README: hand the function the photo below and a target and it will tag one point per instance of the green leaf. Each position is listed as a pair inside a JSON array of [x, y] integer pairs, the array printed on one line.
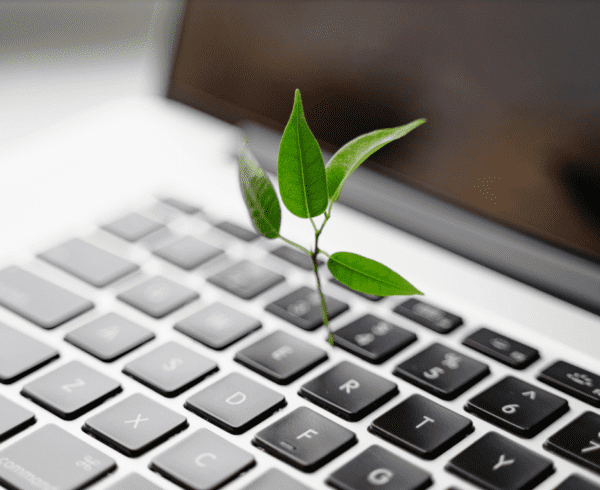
[[300, 167], [260, 197], [368, 276], [347, 159]]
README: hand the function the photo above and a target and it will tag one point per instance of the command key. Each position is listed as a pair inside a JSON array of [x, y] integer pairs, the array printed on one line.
[[33, 463]]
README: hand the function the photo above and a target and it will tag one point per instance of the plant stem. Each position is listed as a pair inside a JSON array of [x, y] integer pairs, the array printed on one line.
[[315, 268], [295, 245], [313, 257], [324, 313]]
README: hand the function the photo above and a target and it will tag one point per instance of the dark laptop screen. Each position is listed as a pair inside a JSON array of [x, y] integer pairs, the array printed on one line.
[[511, 91]]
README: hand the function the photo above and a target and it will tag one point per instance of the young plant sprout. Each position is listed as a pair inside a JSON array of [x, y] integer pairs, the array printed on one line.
[[307, 188]]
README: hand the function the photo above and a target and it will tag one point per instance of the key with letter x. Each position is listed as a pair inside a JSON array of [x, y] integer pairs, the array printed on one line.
[[135, 425], [494, 462]]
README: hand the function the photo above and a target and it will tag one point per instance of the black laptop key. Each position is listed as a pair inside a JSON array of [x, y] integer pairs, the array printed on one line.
[[370, 297], [170, 369], [20, 354], [246, 279], [187, 252], [573, 381], [441, 371], [135, 425], [281, 357], [579, 441], [109, 337], [518, 407], [71, 390], [348, 391], [235, 403], [158, 296], [305, 439], [14, 418], [422, 427], [37, 300], [501, 348], [202, 461], [133, 227], [429, 316], [49, 459], [218, 326], [303, 308], [494, 462], [237, 231], [373, 339], [88, 262], [296, 257], [275, 479], [576, 482], [377, 467]]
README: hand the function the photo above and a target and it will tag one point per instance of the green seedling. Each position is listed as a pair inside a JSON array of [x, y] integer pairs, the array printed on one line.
[[308, 189]]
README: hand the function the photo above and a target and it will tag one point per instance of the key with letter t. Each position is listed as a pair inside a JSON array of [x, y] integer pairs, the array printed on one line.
[[422, 427]]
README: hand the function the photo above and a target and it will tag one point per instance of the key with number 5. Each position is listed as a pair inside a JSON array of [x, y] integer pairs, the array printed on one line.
[[441, 371]]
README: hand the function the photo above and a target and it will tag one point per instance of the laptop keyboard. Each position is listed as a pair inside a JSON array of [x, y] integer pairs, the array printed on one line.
[[138, 398]]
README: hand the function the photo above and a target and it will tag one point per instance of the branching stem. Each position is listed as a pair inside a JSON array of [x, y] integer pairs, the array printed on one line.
[[313, 257]]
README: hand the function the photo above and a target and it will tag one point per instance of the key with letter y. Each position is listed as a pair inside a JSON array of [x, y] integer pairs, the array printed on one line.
[[494, 462]]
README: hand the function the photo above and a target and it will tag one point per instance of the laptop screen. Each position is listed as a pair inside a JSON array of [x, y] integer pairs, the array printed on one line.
[[511, 92]]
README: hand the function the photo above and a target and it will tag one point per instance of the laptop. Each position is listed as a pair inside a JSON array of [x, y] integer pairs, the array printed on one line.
[[150, 338]]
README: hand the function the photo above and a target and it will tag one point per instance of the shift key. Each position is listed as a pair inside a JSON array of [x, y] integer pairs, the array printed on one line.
[[38, 300]]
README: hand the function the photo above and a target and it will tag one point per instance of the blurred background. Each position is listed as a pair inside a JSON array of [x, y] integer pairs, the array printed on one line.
[[511, 90], [59, 58]]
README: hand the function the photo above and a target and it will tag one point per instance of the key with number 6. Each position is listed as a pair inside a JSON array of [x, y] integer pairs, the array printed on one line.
[[518, 407]]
